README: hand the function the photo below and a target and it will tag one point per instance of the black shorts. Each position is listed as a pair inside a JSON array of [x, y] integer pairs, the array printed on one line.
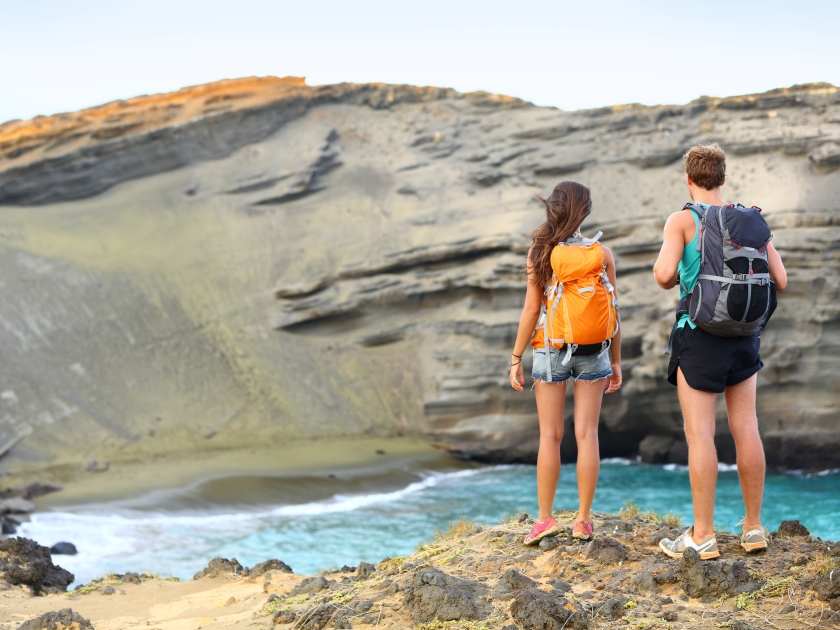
[[711, 363]]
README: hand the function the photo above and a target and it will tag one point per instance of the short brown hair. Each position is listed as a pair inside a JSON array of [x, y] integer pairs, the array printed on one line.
[[706, 165]]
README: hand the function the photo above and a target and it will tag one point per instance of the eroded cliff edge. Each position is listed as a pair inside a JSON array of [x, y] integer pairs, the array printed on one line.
[[258, 260]]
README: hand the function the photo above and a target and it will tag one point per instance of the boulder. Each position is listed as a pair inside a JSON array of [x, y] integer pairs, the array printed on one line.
[[269, 565], [16, 505], [316, 618], [365, 570], [132, 578], [710, 580], [612, 609], [793, 528], [828, 586], [537, 610], [63, 549], [284, 616], [23, 561], [511, 582], [220, 566], [310, 586], [435, 595], [607, 550], [64, 619], [645, 582], [654, 449]]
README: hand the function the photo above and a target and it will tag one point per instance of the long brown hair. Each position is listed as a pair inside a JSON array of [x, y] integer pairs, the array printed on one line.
[[565, 209]]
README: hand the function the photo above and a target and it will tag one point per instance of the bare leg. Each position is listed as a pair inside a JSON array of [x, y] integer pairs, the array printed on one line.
[[588, 396], [743, 423], [698, 409], [550, 400]]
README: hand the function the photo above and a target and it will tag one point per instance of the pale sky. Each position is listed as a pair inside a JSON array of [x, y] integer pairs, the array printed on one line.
[[63, 55]]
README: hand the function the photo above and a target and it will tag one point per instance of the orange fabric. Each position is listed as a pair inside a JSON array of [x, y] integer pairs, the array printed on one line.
[[584, 313]]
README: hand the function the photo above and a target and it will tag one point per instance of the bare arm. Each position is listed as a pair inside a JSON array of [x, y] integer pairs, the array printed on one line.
[[777, 268], [527, 323], [614, 381], [665, 268]]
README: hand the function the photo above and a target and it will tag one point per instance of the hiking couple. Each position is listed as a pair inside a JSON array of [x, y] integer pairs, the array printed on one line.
[[728, 272]]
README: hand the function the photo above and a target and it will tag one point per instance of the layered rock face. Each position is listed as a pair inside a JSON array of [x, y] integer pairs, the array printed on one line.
[[259, 260]]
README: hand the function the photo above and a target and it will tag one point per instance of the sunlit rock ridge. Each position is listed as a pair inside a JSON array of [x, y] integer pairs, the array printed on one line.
[[258, 260]]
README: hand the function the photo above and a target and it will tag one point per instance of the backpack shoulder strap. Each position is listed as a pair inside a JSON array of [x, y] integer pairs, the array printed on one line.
[[582, 241], [696, 207]]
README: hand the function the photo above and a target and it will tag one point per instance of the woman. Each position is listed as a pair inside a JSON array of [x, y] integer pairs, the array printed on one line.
[[572, 280]]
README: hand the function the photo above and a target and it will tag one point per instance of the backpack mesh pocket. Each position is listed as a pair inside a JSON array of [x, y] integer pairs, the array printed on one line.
[[745, 298]]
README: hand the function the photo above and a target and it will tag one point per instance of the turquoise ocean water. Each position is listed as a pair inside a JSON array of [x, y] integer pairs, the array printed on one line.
[[165, 538]]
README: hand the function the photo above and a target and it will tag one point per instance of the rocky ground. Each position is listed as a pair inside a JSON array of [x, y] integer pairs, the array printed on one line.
[[475, 578]]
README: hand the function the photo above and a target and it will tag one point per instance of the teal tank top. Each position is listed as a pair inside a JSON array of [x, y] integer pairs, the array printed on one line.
[[689, 269]]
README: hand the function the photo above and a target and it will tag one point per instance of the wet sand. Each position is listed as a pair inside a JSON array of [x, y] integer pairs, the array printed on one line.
[[244, 476]]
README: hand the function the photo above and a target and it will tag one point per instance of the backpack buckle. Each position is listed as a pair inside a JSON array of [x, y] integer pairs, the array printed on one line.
[[740, 276]]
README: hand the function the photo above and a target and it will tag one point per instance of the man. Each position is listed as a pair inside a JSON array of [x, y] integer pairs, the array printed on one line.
[[704, 365]]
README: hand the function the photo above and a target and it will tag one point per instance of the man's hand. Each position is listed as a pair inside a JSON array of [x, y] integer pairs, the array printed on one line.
[[614, 380]]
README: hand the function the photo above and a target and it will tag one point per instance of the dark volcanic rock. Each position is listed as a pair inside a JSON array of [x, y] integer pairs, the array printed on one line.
[[284, 616], [57, 620], [63, 549], [654, 449], [310, 586], [269, 565], [219, 566], [366, 569], [549, 542], [711, 579], [537, 610], [559, 586], [607, 550], [612, 609], [23, 561], [16, 505], [132, 578], [828, 586], [793, 528], [645, 581], [436, 595], [317, 617], [511, 582]]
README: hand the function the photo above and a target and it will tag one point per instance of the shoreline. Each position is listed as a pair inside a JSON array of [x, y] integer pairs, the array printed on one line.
[[351, 457]]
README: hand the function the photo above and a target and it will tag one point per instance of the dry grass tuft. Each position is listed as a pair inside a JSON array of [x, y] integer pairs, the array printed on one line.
[[457, 529], [820, 566], [630, 510]]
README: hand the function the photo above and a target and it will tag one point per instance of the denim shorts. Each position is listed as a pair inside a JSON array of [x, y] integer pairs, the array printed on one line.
[[593, 367]]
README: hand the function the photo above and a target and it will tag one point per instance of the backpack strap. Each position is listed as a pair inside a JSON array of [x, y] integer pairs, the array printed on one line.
[[698, 208], [739, 278], [700, 211], [554, 292], [582, 241]]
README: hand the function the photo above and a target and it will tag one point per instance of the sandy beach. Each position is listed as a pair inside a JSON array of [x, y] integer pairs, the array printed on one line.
[[352, 457]]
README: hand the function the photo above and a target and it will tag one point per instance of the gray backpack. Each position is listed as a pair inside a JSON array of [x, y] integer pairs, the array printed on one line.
[[734, 296]]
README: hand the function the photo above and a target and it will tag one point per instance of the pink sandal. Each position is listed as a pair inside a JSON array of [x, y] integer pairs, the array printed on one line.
[[542, 529]]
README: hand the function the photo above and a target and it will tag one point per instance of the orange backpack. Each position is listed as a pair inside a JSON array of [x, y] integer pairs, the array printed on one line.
[[580, 306]]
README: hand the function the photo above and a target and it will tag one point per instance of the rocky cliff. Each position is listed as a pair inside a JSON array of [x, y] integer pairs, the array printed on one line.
[[258, 260]]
